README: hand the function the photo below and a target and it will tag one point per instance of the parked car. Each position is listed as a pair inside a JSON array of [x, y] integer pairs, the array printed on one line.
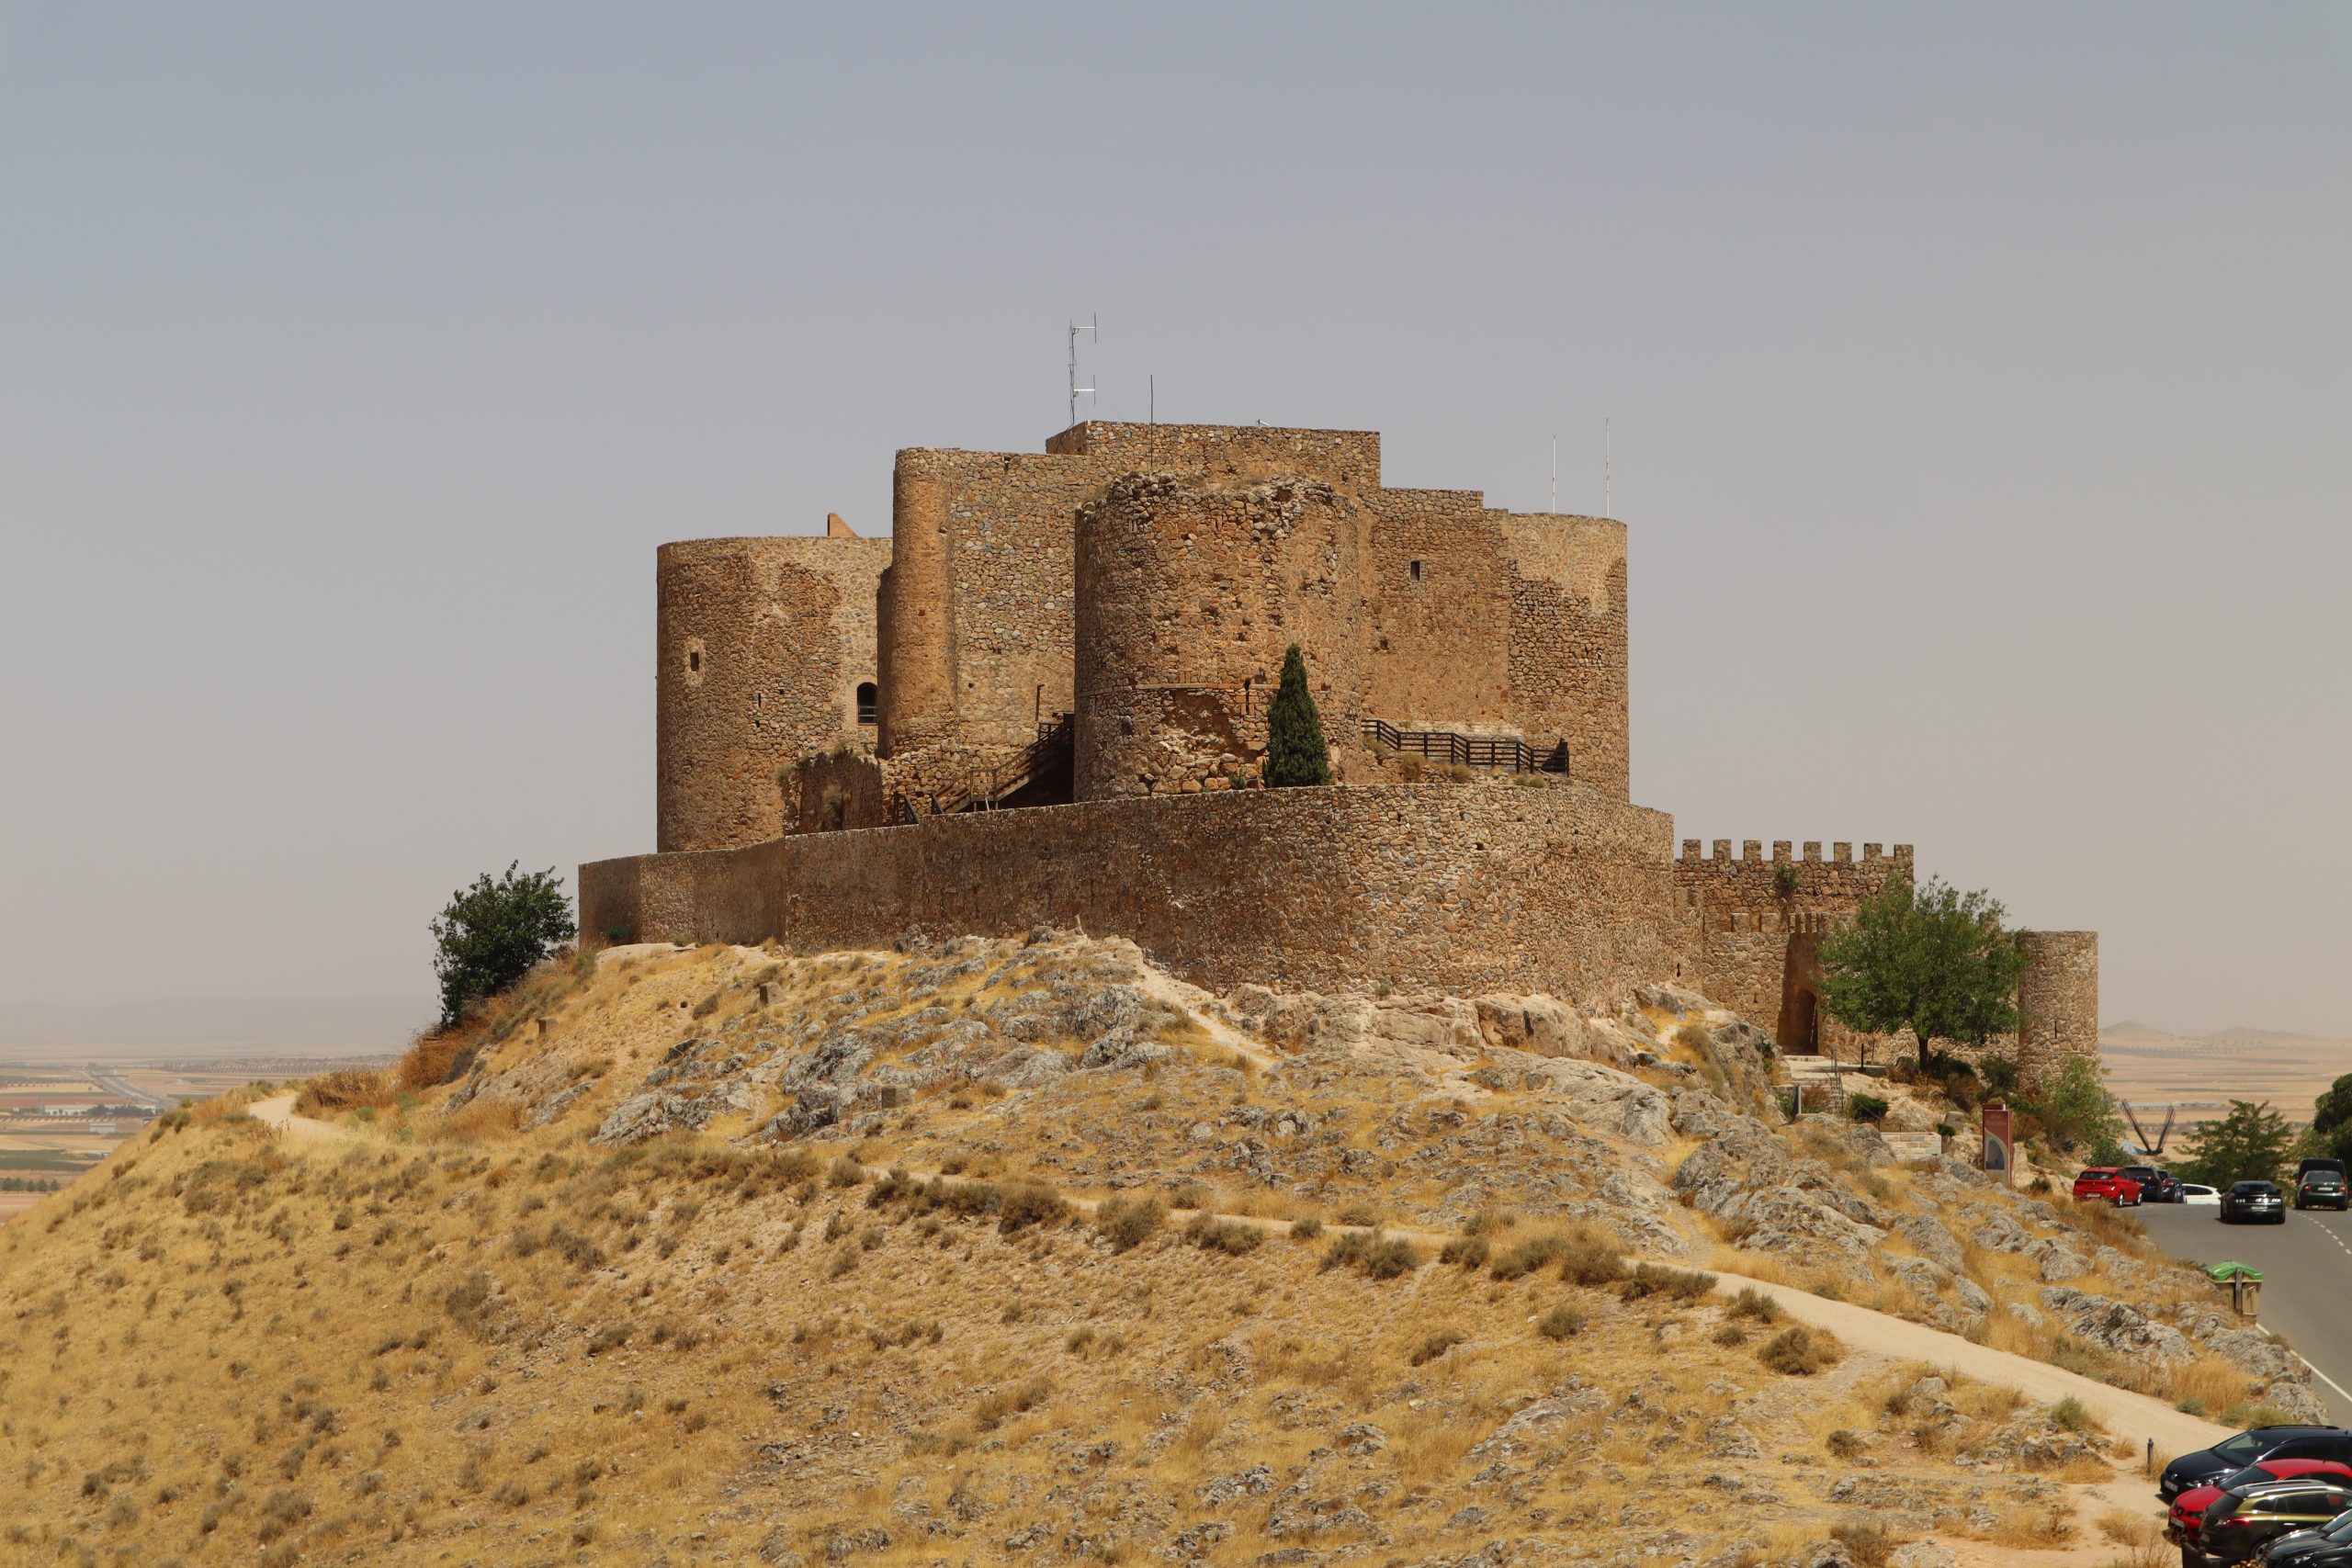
[[2321, 1190], [2202, 1467], [2107, 1181], [2156, 1184], [2323, 1548], [2259, 1200], [2238, 1524], [2186, 1517], [2198, 1194], [2305, 1168]]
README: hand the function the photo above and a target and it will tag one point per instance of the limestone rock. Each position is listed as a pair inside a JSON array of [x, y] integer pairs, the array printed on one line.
[[1920, 1555], [1604, 1098], [2115, 1325], [1934, 1242]]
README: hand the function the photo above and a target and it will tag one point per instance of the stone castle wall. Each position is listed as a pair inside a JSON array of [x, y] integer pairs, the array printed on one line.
[[1567, 641], [1188, 593], [1760, 919], [760, 645], [1466, 889]]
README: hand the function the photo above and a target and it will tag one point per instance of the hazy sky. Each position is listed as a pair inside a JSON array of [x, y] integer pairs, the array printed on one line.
[[1979, 378]]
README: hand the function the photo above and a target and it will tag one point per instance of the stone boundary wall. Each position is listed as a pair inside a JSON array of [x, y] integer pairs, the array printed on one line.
[[1463, 889]]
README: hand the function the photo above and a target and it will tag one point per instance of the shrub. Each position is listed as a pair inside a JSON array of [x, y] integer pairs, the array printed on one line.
[[490, 935], [1676, 1284], [346, 1090], [1125, 1224], [1731, 1336], [1436, 1344], [1753, 1302], [1534, 1253], [1798, 1351], [2250, 1413], [1360, 1214], [999, 1403], [1564, 1321], [1232, 1238], [2073, 1415], [1866, 1108], [1591, 1260], [1376, 1255], [1843, 1444], [1027, 1203], [1867, 1544], [1306, 1229], [1464, 1251]]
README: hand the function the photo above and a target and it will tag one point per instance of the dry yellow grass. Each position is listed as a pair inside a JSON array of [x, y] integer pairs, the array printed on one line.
[[452, 1336]]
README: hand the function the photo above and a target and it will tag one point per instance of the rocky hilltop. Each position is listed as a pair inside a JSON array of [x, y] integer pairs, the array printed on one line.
[[1022, 1251]]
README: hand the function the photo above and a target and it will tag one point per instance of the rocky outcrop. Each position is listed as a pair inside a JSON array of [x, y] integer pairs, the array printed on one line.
[[2117, 1325]]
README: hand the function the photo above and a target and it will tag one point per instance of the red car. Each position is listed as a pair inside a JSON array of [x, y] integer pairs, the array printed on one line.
[[2106, 1181], [2188, 1512]]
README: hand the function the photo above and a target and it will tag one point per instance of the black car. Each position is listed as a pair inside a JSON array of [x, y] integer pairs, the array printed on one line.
[[2157, 1185], [2239, 1523], [2321, 1548], [2208, 1467], [2322, 1188], [2259, 1200]]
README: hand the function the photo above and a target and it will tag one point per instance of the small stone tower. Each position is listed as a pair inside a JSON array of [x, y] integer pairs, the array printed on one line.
[[766, 654], [2057, 1001]]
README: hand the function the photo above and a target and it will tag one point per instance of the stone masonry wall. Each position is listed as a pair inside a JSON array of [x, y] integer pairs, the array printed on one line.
[[1760, 919], [1567, 641], [1189, 592], [1437, 608], [2057, 1001], [761, 644], [1466, 889]]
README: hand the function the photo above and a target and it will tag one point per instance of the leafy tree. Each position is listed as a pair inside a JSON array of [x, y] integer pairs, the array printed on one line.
[[491, 933], [2248, 1144], [2076, 1111], [1295, 753], [1932, 960], [2330, 1134]]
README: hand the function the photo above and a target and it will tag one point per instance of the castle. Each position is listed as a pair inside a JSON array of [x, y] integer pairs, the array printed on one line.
[[1043, 700]]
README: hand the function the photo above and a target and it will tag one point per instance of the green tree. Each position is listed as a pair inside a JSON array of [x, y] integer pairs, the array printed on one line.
[[2078, 1112], [1931, 959], [2248, 1144], [491, 933], [2330, 1134], [1295, 753]]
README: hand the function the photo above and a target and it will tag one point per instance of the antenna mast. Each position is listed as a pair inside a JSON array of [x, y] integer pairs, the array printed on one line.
[[1608, 505], [1555, 473], [1096, 327]]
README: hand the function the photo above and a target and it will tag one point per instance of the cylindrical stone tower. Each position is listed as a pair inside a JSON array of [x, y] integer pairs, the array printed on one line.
[[918, 681], [762, 644], [2057, 1001], [1187, 596]]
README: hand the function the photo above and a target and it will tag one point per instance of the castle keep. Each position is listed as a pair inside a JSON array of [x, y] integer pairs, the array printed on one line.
[[1043, 699]]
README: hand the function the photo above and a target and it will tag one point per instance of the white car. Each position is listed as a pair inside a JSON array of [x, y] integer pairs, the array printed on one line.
[[2206, 1196]]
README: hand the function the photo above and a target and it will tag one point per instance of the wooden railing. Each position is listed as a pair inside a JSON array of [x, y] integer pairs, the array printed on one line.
[[1016, 772], [1470, 751]]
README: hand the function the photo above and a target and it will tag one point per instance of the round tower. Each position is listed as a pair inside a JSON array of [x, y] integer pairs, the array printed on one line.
[[763, 646], [2057, 1001], [1187, 595]]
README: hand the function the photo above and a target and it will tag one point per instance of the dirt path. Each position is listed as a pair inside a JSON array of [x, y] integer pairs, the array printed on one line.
[[2125, 1414], [277, 1111]]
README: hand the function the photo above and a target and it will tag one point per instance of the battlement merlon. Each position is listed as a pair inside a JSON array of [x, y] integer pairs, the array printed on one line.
[[1719, 860]]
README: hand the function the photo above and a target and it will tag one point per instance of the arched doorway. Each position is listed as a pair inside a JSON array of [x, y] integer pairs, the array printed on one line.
[[869, 702], [1800, 1030]]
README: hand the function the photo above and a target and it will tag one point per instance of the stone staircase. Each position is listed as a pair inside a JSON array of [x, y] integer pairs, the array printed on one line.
[[1817, 1080]]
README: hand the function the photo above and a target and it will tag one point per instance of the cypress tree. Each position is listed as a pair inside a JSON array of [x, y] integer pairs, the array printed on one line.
[[1295, 753]]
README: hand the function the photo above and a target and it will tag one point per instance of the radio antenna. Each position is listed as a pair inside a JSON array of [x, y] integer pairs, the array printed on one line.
[[1096, 327], [1607, 504], [1555, 473]]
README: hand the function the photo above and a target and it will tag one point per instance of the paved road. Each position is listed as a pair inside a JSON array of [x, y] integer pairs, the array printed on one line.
[[2306, 1280]]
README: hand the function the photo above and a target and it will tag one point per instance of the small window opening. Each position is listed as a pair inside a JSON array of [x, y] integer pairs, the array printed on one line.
[[694, 660], [1417, 571], [868, 700]]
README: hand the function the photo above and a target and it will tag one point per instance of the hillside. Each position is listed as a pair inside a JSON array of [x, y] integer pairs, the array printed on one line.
[[1023, 1251]]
